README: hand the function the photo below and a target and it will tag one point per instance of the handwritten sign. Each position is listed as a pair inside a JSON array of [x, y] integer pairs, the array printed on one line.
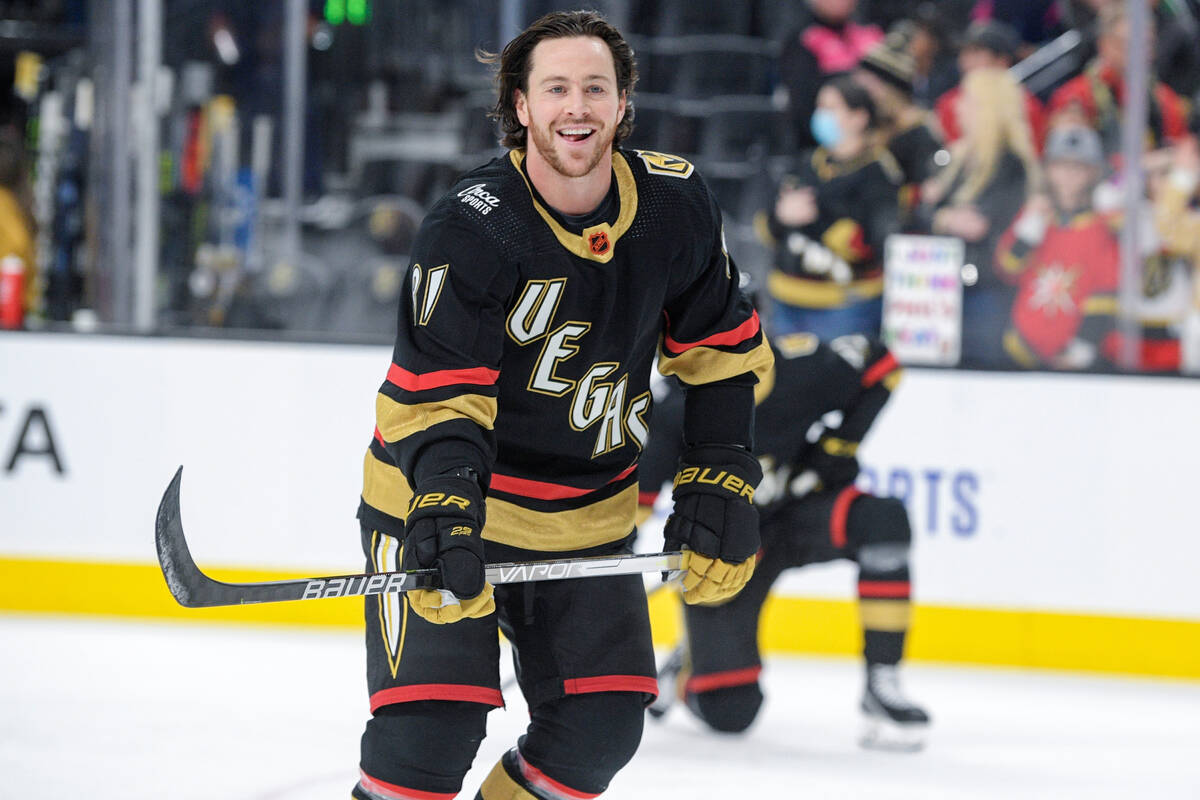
[[922, 299]]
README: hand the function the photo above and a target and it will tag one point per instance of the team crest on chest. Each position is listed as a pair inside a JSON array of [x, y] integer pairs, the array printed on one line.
[[598, 243]]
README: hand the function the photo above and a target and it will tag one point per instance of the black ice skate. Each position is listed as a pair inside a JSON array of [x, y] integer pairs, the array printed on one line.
[[671, 679], [891, 720]]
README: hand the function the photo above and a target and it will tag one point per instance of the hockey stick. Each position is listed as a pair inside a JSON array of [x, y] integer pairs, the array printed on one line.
[[193, 589]]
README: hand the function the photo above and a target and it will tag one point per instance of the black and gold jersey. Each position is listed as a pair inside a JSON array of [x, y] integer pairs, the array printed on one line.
[[526, 340]]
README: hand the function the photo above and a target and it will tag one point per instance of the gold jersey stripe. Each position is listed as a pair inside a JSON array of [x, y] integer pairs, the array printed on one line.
[[1015, 346], [499, 786], [766, 383], [576, 243], [599, 523], [706, 365], [384, 487], [821, 294], [399, 420], [885, 615]]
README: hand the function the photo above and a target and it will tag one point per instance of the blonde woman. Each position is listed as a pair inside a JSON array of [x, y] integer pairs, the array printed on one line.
[[993, 169]]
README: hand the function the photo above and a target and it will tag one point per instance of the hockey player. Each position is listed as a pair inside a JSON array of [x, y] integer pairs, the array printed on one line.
[[811, 512], [541, 289]]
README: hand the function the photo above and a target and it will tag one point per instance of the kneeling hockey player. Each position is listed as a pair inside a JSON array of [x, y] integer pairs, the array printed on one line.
[[810, 512]]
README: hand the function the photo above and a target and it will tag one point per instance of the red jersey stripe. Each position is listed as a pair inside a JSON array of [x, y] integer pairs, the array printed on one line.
[[698, 684], [542, 490], [876, 372], [412, 382], [741, 333], [437, 691], [896, 589], [543, 781], [839, 515], [392, 791], [611, 683]]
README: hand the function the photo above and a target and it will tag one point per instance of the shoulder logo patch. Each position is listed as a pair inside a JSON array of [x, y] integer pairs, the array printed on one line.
[[479, 198], [664, 164]]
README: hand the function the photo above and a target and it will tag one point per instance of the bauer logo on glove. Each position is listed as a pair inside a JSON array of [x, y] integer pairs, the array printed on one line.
[[442, 532], [715, 522], [431, 499], [721, 478]]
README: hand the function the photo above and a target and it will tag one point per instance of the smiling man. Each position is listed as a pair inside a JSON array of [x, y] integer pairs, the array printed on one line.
[[543, 287]]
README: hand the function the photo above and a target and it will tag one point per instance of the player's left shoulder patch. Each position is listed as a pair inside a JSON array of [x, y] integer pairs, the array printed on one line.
[[665, 164]]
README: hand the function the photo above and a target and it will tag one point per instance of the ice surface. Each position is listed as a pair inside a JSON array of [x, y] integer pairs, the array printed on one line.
[[121, 710]]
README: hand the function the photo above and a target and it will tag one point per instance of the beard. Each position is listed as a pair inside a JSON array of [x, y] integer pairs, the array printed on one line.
[[546, 141]]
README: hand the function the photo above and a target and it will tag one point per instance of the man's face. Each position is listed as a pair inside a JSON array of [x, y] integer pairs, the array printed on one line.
[[573, 107]]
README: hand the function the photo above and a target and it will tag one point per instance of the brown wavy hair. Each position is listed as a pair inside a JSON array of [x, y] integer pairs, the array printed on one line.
[[512, 67]]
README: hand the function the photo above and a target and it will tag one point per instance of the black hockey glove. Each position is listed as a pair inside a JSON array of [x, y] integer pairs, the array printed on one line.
[[834, 460], [715, 521], [444, 530]]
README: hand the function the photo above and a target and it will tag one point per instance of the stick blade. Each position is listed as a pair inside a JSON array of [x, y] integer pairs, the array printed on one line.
[[176, 561]]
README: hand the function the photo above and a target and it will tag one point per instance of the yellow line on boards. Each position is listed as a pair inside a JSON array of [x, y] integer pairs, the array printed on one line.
[[1009, 637], [1041, 639], [139, 590]]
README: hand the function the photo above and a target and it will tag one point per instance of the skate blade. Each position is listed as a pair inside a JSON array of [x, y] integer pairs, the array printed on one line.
[[883, 734]]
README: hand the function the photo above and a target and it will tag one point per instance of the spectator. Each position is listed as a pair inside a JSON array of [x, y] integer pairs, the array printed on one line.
[[908, 131], [1170, 240], [1096, 97], [1064, 258], [992, 170], [1176, 57], [1177, 219], [830, 221], [828, 42], [988, 45], [929, 45], [17, 226]]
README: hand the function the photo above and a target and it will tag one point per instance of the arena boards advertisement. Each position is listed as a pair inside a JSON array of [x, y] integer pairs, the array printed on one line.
[[1052, 514]]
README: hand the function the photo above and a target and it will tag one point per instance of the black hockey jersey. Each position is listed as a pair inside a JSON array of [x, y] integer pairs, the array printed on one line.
[[851, 375], [837, 259], [526, 340]]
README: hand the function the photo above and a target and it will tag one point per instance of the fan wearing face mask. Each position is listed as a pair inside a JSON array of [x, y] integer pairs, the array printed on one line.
[[832, 213]]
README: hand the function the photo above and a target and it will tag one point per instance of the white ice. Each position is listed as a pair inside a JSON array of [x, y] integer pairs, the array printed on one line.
[[123, 710]]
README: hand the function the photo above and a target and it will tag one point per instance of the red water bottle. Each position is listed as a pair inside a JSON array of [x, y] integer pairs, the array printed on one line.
[[12, 292]]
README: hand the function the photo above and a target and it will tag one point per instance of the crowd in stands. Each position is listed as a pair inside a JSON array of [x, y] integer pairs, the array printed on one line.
[[822, 126], [893, 135]]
